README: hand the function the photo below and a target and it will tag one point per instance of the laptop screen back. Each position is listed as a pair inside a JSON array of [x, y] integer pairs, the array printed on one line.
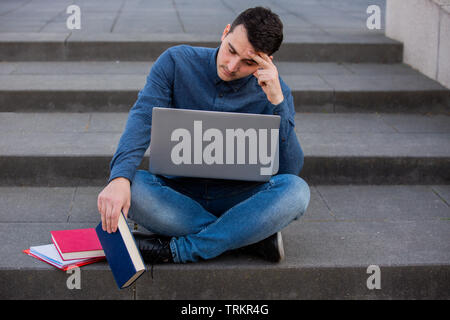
[[213, 144]]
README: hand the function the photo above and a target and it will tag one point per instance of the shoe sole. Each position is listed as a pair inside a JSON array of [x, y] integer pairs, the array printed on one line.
[[280, 246]]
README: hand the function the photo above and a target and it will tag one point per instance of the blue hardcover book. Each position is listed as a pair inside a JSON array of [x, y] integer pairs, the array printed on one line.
[[122, 254]]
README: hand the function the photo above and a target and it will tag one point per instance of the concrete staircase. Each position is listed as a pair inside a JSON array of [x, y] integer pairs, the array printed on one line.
[[376, 137]]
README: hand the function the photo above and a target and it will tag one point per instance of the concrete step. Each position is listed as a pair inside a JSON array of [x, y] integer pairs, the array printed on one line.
[[71, 149], [316, 87], [326, 46], [404, 230]]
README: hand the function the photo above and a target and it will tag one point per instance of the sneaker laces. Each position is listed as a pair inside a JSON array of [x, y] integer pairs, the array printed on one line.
[[153, 254]]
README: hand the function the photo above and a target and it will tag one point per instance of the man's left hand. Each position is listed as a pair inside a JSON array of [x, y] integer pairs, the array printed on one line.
[[267, 75]]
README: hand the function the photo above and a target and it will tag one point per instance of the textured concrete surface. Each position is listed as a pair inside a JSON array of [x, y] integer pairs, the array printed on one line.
[[424, 28], [197, 17], [146, 47], [60, 149], [316, 87], [139, 30], [402, 229]]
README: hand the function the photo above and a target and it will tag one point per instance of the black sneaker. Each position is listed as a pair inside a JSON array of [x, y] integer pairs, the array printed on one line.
[[271, 248], [154, 248]]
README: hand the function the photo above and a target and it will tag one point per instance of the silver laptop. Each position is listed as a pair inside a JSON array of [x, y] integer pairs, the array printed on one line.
[[213, 144]]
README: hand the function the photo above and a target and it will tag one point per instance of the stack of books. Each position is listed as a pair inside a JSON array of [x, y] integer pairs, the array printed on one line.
[[70, 248]]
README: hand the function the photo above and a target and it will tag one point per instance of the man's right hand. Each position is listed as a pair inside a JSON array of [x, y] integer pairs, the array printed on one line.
[[116, 197]]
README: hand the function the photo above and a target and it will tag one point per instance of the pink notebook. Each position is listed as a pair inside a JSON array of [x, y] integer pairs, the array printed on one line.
[[77, 244]]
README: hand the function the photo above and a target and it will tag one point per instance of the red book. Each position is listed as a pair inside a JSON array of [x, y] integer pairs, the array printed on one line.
[[77, 244]]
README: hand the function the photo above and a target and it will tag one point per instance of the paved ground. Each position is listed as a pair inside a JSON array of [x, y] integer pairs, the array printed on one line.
[[70, 149], [371, 135], [113, 86], [178, 16], [346, 229]]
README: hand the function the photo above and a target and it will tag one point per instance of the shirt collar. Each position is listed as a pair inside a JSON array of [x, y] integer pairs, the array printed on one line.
[[213, 66], [235, 84]]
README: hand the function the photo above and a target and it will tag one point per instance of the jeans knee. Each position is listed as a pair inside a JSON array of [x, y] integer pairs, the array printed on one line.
[[140, 190], [298, 193]]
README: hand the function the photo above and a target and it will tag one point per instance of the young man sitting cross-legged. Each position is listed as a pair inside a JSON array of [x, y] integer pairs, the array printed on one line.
[[193, 218]]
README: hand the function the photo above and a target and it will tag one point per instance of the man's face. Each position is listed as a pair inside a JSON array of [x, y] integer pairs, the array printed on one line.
[[233, 60]]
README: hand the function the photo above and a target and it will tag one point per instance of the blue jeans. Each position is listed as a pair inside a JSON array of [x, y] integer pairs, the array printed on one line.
[[207, 217]]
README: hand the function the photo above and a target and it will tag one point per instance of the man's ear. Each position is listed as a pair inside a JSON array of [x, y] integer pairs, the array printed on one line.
[[225, 31]]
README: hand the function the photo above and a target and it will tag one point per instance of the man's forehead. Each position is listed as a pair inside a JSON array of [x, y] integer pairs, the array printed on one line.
[[243, 53]]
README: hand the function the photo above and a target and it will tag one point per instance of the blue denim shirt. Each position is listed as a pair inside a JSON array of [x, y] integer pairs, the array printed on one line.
[[186, 77]]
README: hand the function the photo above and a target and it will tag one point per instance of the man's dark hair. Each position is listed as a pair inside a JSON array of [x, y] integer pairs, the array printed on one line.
[[264, 28]]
